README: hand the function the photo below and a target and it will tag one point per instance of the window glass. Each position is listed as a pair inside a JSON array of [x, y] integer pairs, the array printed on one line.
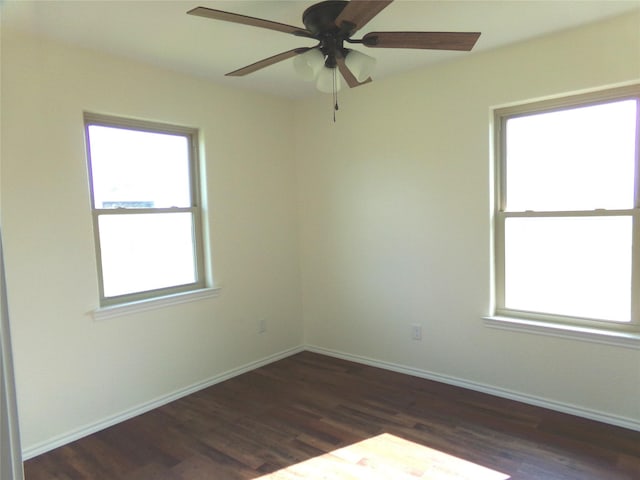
[[142, 252], [573, 266], [138, 169], [574, 159]]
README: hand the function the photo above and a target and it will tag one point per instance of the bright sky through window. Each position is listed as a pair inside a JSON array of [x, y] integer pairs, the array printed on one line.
[[136, 166], [551, 267], [577, 159]]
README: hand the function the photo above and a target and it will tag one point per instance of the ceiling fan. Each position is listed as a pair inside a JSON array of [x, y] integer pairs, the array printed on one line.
[[333, 23]]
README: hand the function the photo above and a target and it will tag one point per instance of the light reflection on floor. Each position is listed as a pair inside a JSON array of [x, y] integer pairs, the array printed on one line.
[[386, 457]]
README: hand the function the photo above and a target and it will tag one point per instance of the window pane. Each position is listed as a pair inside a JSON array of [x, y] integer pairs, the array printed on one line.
[[143, 252], [577, 159], [575, 266], [136, 169]]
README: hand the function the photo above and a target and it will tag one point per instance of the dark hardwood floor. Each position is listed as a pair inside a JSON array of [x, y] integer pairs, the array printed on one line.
[[308, 404]]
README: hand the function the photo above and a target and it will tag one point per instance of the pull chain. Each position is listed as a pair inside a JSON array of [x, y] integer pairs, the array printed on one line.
[[335, 93]]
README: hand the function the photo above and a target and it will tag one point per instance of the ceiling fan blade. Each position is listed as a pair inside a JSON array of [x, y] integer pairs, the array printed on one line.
[[463, 41], [251, 21], [360, 12], [266, 62], [348, 76]]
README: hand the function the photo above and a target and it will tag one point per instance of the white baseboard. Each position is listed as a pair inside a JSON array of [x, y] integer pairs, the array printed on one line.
[[63, 439], [491, 390]]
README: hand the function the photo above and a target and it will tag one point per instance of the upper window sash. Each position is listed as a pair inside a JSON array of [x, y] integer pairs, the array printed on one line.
[[191, 135], [504, 115]]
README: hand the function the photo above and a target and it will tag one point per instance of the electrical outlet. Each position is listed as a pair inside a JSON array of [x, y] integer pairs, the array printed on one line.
[[262, 325], [416, 332]]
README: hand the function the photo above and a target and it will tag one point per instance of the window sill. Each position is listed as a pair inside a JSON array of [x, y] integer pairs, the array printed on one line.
[[572, 332], [104, 313]]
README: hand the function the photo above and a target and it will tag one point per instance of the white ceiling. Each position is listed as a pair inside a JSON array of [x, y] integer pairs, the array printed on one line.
[[159, 31]]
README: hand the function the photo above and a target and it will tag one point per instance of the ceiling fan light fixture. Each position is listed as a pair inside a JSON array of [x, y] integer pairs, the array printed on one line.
[[361, 65], [308, 64], [326, 78]]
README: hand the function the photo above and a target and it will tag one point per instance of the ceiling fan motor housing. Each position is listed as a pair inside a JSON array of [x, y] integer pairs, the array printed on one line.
[[320, 19]]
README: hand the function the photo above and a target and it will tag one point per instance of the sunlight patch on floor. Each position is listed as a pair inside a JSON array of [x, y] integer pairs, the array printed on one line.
[[386, 457]]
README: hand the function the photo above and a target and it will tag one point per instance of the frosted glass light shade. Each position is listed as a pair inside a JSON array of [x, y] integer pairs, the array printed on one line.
[[361, 65], [325, 80], [308, 64]]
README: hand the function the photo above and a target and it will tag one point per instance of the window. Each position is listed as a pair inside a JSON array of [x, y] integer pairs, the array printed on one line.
[[567, 222], [146, 208]]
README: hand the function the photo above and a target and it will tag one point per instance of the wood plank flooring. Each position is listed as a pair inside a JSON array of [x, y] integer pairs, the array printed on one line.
[[308, 405]]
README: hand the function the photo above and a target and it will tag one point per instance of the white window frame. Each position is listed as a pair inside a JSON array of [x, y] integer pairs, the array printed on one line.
[[195, 209], [535, 322]]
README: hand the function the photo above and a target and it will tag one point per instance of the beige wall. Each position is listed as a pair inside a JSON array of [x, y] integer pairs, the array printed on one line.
[[73, 371], [390, 206], [395, 221]]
